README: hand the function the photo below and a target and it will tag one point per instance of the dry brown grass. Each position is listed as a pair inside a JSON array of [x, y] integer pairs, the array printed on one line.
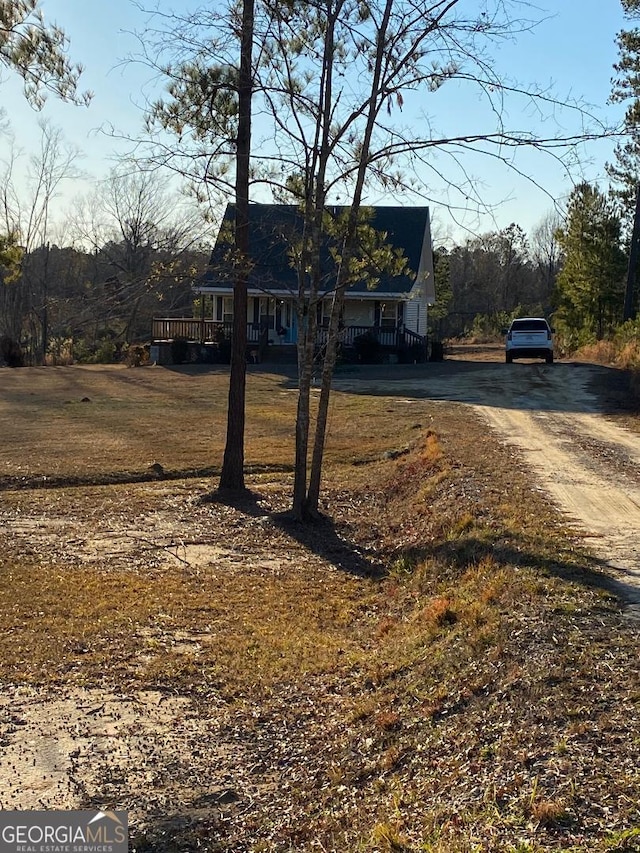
[[601, 352], [63, 625], [625, 356], [95, 420], [436, 669]]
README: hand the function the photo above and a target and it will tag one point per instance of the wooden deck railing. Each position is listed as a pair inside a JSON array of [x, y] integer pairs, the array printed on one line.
[[211, 331], [388, 338], [197, 331]]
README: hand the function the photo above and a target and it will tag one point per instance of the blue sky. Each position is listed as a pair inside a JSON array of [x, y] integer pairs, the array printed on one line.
[[572, 50]]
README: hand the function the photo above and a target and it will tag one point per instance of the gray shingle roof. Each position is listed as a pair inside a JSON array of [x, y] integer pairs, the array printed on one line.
[[271, 228]]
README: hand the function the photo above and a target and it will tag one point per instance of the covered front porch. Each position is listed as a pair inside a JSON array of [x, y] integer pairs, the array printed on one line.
[[209, 340], [373, 330]]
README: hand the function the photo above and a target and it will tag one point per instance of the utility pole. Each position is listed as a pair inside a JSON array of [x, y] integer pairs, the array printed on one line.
[[629, 296]]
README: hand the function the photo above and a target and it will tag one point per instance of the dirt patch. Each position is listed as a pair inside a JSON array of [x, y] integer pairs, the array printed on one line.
[[62, 751]]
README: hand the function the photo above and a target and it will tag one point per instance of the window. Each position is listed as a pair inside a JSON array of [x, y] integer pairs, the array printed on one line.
[[388, 315], [530, 325], [323, 313]]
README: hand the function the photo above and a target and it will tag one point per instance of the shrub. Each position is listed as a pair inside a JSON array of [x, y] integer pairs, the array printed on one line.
[[568, 340], [179, 350], [602, 352], [368, 348], [487, 328], [81, 352], [136, 355], [224, 350], [10, 352], [60, 352], [627, 343], [106, 352]]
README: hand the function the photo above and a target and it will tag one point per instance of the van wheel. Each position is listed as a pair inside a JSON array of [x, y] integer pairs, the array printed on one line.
[[508, 358], [549, 358]]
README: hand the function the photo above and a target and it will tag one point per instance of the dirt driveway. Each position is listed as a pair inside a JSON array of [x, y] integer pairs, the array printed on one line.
[[557, 417]]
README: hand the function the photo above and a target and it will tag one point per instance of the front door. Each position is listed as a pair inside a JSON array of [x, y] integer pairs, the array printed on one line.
[[285, 319]]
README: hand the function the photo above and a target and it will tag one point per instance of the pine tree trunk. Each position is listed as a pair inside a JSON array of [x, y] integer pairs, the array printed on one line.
[[632, 270], [232, 475], [328, 367]]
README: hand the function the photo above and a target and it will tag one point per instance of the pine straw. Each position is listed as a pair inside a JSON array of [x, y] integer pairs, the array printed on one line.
[[439, 669]]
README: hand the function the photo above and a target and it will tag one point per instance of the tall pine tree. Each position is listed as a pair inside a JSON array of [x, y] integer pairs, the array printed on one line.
[[625, 170], [37, 51], [590, 286]]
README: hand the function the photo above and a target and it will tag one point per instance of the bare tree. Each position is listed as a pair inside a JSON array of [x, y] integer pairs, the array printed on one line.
[[143, 237], [26, 215], [336, 81], [546, 251], [332, 79]]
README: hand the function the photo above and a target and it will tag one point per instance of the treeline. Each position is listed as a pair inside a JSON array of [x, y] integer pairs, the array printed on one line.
[[87, 290], [132, 251], [573, 270], [494, 276], [63, 304]]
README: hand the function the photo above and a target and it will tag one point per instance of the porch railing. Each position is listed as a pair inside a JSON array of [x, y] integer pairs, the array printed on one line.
[[389, 338], [198, 331], [212, 331]]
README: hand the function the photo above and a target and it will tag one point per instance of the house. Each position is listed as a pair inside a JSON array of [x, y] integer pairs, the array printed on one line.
[[393, 312]]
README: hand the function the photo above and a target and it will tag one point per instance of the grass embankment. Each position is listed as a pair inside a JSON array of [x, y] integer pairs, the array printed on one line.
[[435, 670], [623, 352]]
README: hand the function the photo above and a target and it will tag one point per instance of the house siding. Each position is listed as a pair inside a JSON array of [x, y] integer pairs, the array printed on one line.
[[415, 319], [425, 278]]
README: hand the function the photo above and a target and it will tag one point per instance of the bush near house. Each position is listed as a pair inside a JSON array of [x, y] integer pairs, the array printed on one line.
[[10, 352], [368, 348]]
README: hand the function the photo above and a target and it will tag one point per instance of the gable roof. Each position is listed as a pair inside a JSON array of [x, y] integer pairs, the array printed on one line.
[[271, 227]]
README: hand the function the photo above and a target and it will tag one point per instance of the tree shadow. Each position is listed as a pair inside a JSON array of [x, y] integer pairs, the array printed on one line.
[[246, 501], [593, 572], [319, 536], [571, 386], [322, 538]]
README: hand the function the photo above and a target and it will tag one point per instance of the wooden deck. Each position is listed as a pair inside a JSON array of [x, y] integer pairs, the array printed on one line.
[[201, 331]]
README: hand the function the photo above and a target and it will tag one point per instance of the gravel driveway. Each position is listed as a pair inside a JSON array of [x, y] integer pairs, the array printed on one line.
[[556, 416]]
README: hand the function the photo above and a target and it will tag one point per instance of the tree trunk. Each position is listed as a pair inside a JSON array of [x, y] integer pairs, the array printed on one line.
[[307, 313], [313, 495], [629, 296], [328, 367], [232, 475], [303, 415], [307, 329]]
